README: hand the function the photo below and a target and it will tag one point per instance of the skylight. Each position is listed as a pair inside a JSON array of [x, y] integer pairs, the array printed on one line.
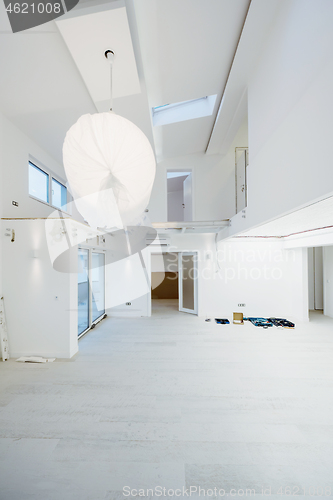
[[185, 110]]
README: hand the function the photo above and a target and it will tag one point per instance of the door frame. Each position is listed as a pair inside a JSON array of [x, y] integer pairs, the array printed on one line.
[[149, 270], [185, 169], [97, 320]]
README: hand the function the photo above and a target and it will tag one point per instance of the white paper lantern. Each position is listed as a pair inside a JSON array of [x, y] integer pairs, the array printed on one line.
[[110, 167]]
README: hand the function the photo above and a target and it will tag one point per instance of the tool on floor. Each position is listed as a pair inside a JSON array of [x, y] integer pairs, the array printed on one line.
[[3, 332]]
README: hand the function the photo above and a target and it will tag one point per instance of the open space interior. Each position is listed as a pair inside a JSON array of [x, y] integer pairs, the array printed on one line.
[[166, 250]]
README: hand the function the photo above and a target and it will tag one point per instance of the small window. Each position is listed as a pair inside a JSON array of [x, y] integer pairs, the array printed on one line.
[[59, 194], [38, 183], [44, 187], [185, 110]]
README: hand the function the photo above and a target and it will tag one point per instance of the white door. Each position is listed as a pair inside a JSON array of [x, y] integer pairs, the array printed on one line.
[[187, 190], [241, 188], [188, 282]]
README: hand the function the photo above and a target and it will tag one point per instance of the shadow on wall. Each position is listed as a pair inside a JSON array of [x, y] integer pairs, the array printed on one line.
[[168, 289]]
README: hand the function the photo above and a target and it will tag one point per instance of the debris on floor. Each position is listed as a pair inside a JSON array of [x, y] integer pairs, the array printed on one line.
[[35, 359], [221, 321], [267, 322], [238, 318], [282, 322]]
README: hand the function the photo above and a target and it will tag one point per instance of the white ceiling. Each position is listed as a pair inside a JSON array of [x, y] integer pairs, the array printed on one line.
[[187, 50], [166, 51], [87, 37]]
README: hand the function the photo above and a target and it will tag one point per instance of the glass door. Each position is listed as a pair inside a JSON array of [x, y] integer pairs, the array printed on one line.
[[83, 291], [97, 285], [188, 282], [91, 288]]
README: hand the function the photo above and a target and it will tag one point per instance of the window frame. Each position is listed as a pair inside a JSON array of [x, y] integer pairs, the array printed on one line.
[[92, 322], [51, 176], [51, 190], [47, 202]]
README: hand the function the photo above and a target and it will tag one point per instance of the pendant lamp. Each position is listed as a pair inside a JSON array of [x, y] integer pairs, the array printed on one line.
[[110, 167]]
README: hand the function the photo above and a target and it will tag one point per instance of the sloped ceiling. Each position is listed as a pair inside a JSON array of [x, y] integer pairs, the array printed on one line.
[[181, 50], [187, 49]]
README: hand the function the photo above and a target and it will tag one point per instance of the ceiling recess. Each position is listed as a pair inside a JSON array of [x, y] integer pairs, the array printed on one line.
[[87, 38]]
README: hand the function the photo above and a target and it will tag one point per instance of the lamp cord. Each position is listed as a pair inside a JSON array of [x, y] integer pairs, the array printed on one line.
[[111, 97], [109, 54]]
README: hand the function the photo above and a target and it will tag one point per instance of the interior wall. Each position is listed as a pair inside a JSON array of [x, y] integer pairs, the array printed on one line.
[[290, 114], [213, 183], [268, 279], [16, 148], [1, 193], [38, 324], [40, 316], [127, 285]]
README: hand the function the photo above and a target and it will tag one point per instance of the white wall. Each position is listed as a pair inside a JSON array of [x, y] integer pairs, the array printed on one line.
[[16, 148], [1, 193], [213, 183], [290, 113], [270, 280], [38, 323], [126, 282]]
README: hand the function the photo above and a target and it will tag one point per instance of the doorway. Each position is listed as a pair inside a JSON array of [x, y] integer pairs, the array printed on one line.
[[241, 163], [316, 279], [179, 196], [174, 280]]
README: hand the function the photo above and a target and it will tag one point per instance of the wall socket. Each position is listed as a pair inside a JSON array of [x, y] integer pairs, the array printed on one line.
[[241, 305]]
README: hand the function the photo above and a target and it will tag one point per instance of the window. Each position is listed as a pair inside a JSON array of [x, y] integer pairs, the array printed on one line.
[[59, 194], [38, 183], [43, 186], [185, 110]]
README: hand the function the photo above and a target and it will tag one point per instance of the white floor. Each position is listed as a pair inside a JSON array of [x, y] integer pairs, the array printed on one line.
[[172, 401]]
